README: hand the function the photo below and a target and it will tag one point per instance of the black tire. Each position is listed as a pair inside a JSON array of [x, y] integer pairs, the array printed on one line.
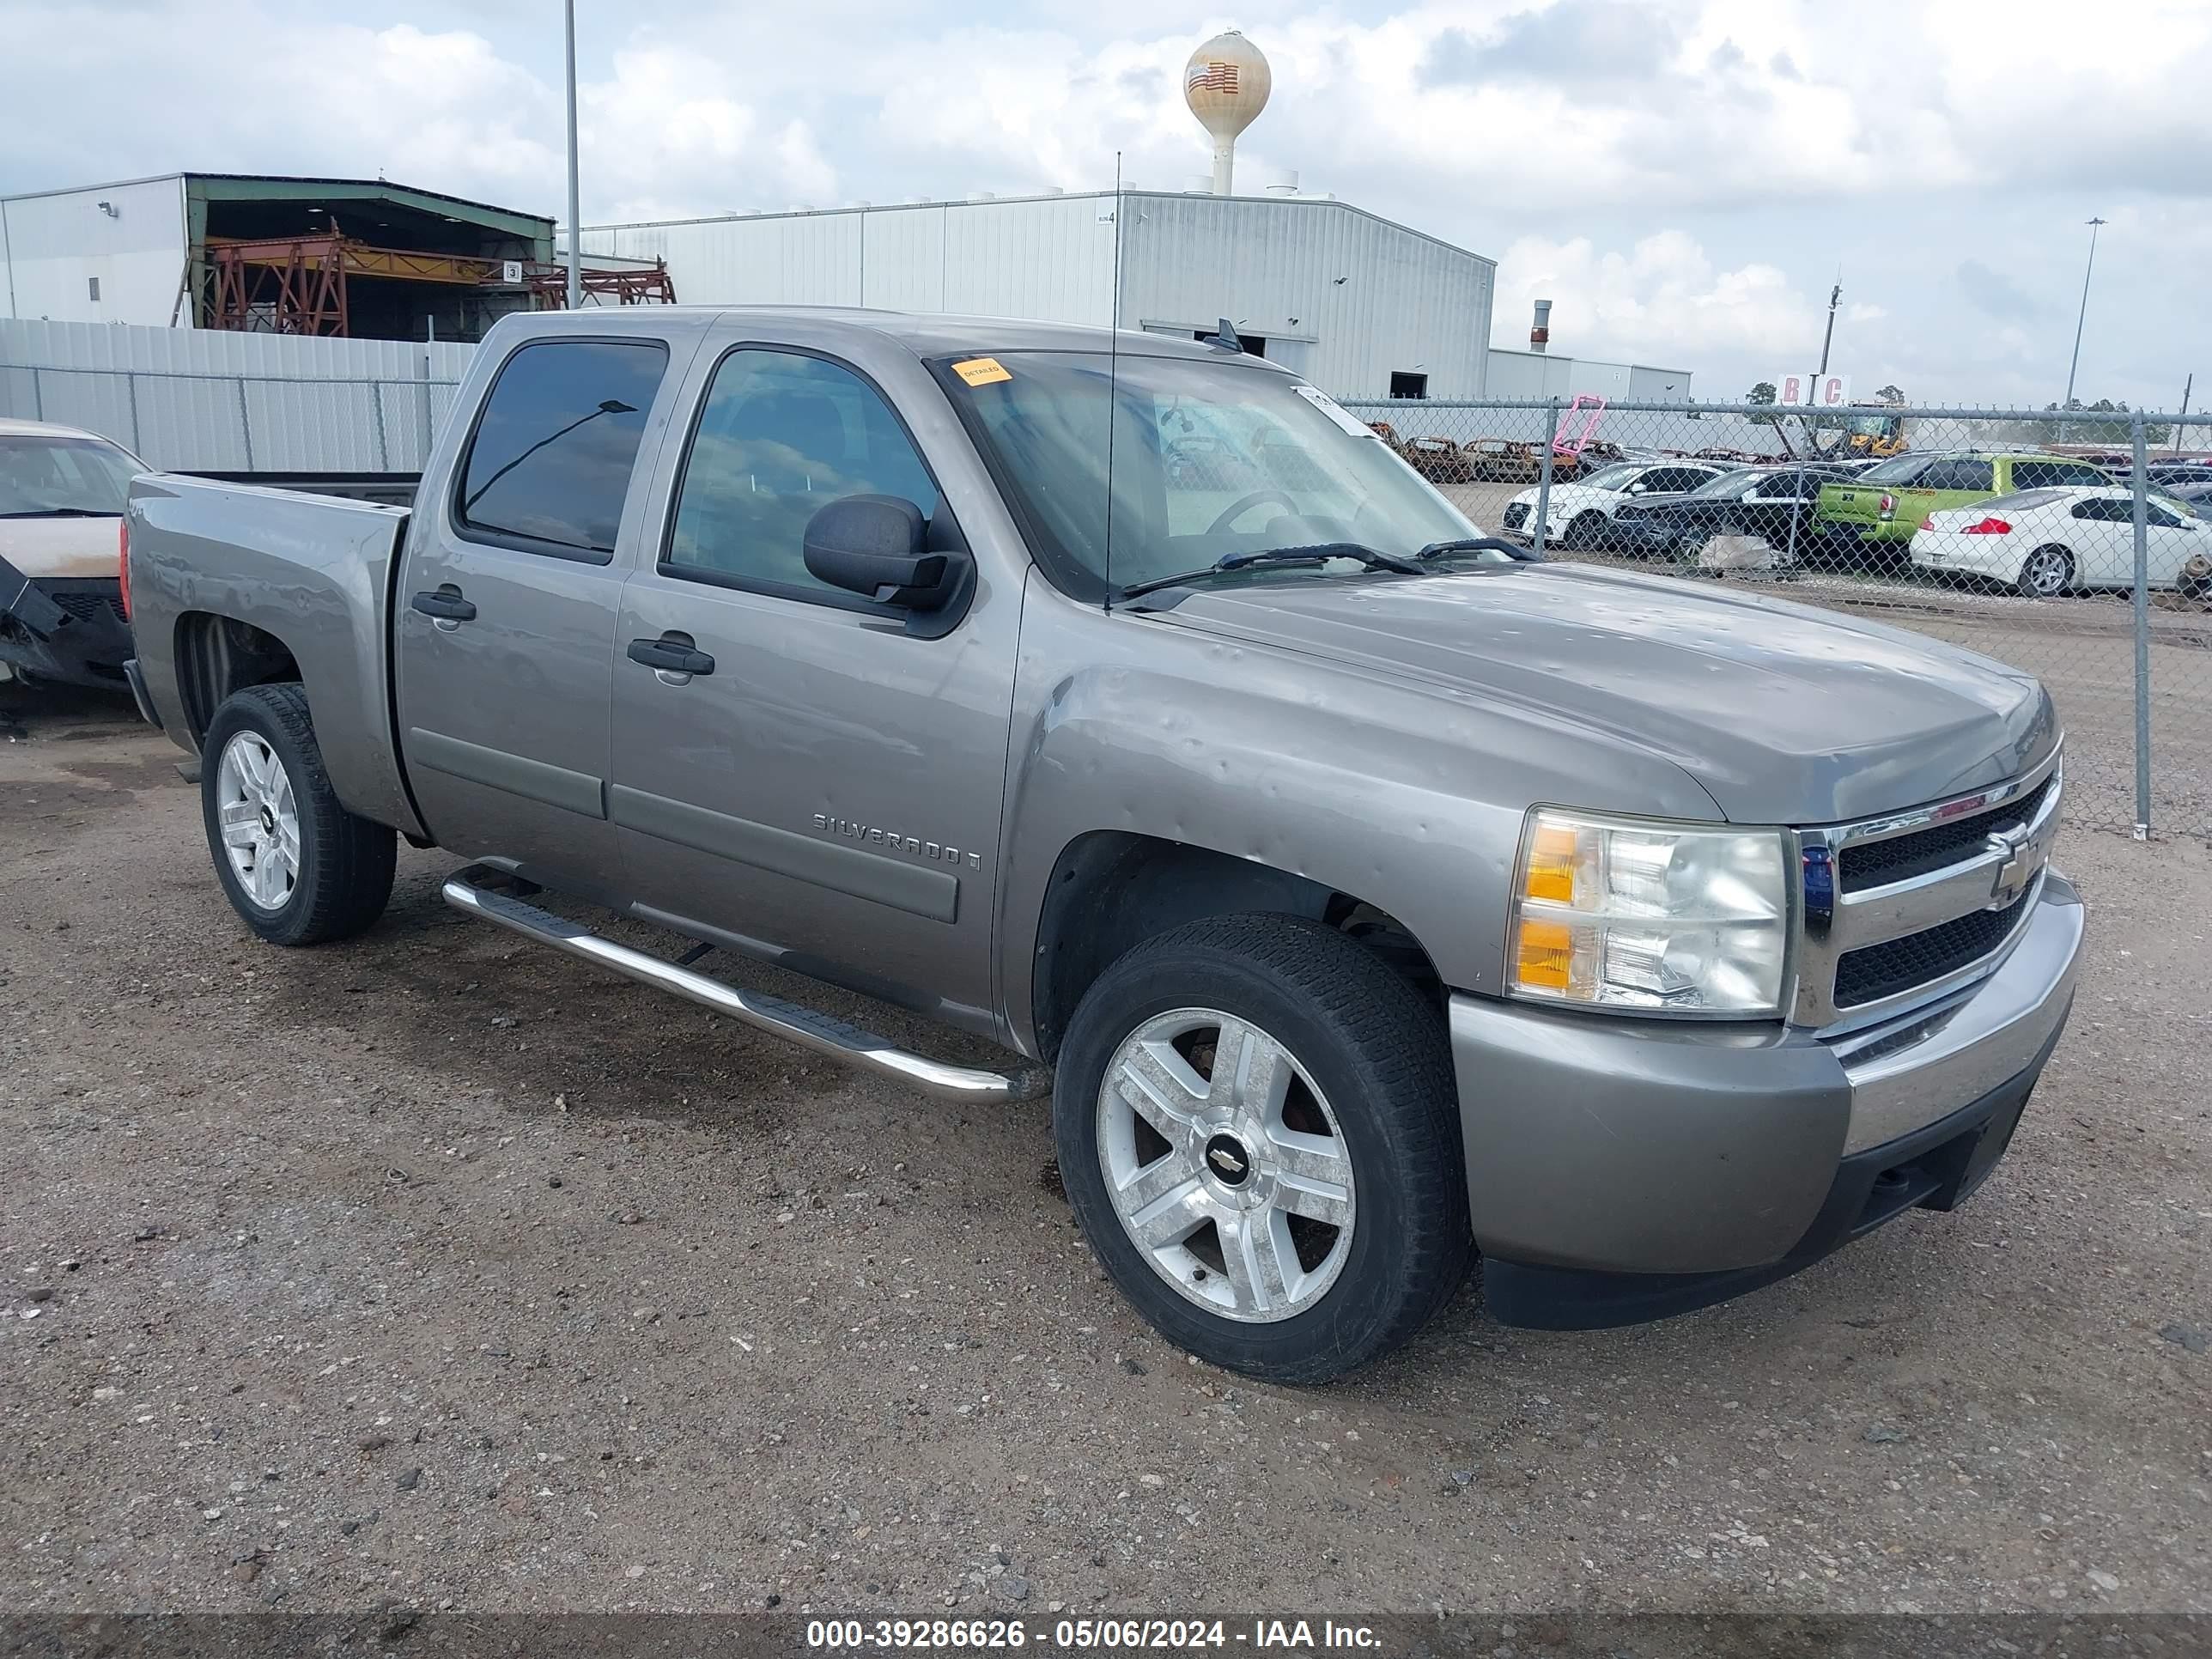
[[1375, 1049], [345, 863], [1690, 546], [1586, 533], [2047, 573]]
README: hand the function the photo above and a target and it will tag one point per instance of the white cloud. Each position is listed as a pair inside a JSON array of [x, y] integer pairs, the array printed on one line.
[[1663, 294], [1773, 135], [667, 136]]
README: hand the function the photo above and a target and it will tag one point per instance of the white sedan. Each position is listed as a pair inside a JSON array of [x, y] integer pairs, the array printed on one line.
[[2049, 542], [1582, 512]]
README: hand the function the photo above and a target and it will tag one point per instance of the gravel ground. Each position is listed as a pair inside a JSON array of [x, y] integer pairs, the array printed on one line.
[[430, 1267]]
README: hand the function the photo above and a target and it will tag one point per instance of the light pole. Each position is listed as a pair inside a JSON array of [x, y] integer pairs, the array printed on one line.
[[2084, 315], [575, 233]]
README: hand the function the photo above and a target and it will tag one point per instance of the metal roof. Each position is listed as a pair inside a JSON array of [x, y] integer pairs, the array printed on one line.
[[1132, 193], [248, 186]]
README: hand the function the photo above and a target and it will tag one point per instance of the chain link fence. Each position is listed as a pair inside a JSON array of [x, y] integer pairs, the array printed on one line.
[[2075, 545]]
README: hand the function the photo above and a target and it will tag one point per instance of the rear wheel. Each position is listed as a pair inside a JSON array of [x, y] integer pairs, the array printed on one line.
[[1258, 1131], [2047, 572], [294, 864]]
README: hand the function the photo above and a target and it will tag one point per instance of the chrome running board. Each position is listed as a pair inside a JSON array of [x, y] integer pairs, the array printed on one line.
[[485, 892]]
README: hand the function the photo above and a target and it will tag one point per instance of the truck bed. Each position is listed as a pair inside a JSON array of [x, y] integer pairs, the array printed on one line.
[[381, 489], [314, 572]]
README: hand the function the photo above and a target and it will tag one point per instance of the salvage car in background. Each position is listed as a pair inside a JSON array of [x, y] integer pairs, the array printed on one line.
[[1874, 515], [62, 496], [1772, 503], [2049, 542], [1583, 511]]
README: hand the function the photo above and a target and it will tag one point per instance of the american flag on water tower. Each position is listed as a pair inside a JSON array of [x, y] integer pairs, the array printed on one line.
[[1214, 76]]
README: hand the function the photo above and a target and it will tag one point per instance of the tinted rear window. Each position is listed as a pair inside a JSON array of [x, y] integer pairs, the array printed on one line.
[[1962, 472], [551, 462]]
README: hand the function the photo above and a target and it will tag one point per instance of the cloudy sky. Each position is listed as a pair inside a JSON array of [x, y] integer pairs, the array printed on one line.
[[1685, 177]]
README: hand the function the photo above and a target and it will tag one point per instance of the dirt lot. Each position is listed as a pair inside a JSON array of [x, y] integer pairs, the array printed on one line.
[[433, 1268]]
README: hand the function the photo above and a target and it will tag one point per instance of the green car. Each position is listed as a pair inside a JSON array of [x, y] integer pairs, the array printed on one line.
[[1880, 508]]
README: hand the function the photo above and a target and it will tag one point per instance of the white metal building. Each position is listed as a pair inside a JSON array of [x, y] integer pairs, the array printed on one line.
[[1350, 300], [1549, 374]]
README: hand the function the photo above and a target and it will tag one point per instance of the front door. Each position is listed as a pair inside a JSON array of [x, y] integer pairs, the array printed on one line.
[[504, 617], [825, 792]]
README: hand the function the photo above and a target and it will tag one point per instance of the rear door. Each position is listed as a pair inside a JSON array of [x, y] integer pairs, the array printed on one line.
[[504, 618], [826, 794], [1957, 481], [1779, 506]]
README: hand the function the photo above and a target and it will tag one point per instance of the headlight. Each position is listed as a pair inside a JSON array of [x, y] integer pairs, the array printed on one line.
[[1616, 913]]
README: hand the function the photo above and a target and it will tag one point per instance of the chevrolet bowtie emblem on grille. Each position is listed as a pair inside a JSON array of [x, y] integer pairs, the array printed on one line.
[[2022, 859]]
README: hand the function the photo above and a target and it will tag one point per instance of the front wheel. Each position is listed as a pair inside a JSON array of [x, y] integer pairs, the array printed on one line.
[[2048, 572], [1257, 1128], [294, 864], [1586, 533]]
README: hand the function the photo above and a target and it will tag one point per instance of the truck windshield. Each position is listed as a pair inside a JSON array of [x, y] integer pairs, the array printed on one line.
[[1209, 458], [54, 477]]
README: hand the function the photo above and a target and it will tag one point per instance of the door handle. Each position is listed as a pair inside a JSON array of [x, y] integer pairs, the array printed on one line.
[[671, 653], [446, 605]]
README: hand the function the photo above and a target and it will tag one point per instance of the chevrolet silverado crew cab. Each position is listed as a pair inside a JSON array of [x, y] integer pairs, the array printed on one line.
[[1366, 893]]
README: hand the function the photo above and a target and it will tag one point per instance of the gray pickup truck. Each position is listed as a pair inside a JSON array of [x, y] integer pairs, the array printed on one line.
[[1366, 893]]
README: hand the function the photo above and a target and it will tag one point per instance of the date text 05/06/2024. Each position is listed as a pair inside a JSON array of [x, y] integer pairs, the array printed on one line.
[[1106, 1634]]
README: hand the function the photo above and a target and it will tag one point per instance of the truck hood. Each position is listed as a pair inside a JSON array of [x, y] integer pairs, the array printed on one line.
[[53, 549], [1783, 713]]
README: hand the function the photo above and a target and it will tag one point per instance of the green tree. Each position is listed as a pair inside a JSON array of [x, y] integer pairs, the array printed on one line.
[[1764, 393]]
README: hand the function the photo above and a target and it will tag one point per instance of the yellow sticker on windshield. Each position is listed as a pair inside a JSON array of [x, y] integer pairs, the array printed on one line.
[[981, 371]]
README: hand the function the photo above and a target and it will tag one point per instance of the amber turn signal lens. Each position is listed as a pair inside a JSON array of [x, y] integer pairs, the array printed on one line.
[[1551, 864], [1543, 955]]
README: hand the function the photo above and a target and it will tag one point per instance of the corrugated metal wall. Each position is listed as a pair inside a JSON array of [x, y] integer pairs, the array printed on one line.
[[202, 399], [1049, 258], [1554, 374], [1343, 297], [128, 237]]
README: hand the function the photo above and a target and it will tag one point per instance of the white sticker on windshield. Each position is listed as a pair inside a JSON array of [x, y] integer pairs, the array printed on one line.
[[1336, 411]]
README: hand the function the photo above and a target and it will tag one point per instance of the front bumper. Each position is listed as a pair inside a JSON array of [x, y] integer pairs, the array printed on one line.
[[1621, 1169], [1645, 535], [67, 630]]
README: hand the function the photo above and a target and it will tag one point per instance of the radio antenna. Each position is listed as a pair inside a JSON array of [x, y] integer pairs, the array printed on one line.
[[1113, 384]]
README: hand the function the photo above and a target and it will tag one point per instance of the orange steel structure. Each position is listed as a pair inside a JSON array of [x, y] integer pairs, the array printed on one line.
[[297, 285]]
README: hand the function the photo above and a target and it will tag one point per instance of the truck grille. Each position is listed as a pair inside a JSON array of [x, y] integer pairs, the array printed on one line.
[[1916, 901], [1873, 863], [1901, 965], [1516, 514]]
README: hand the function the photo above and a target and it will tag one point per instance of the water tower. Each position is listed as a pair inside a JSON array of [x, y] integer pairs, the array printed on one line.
[[1226, 84]]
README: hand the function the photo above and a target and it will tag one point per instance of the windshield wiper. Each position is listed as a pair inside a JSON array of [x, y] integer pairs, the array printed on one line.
[[63, 513], [1312, 553], [1474, 544]]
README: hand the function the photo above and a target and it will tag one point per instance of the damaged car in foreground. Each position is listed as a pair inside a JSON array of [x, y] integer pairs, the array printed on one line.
[[62, 496]]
